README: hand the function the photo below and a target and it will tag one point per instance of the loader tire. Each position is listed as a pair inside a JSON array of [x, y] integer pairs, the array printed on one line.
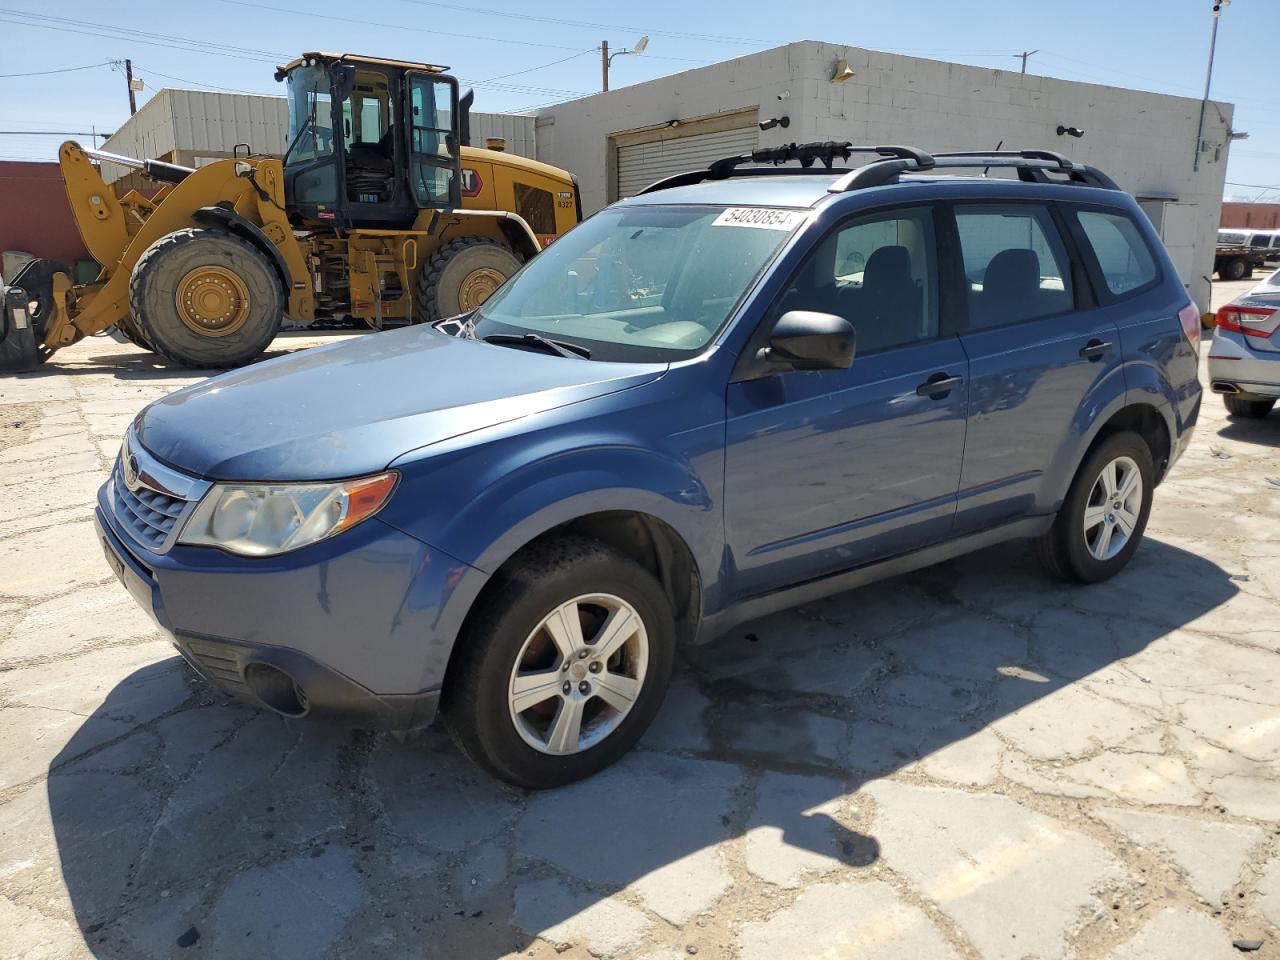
[[206, 298], [460, 276]]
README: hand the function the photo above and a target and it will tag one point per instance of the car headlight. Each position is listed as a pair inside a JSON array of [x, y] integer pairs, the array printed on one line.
[[262, 519]]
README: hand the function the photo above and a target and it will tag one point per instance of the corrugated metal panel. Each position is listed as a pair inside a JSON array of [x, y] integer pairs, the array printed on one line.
[[517, 130], [641, 164], [205, 125]]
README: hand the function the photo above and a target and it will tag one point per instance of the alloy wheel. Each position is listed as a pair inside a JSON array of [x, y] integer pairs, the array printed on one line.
[[578, 674], [1112, 510]]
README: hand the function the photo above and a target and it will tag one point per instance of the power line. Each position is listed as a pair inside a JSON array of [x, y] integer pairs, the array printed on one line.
[[586, 23], [312, 15], [45, 73], [543, 66], [86, 28], [199, 83]]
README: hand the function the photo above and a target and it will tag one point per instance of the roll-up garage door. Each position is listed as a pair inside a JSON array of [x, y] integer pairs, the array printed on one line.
[[640, 164]]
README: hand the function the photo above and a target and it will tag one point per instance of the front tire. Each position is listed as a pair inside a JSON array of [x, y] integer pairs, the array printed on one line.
[[206, 298], [1102, 519], [563, 667], [1233, 270], [1250, 409]]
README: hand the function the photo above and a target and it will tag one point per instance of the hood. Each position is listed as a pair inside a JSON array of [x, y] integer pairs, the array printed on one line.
[[351, 408]]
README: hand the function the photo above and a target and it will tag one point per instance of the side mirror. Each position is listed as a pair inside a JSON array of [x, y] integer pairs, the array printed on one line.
[[806, 340], [342, 81], [244, 169]]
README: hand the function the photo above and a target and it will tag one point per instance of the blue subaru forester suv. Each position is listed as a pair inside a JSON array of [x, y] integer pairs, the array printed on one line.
[[743, 389]]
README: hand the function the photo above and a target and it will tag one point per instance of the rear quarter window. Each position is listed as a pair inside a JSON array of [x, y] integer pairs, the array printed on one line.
[[1120, 249]]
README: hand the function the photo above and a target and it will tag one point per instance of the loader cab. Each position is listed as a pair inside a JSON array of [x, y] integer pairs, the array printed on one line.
[[370, 143]]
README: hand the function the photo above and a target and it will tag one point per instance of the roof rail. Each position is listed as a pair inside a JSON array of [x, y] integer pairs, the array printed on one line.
[[806, 154], [1033, 166]]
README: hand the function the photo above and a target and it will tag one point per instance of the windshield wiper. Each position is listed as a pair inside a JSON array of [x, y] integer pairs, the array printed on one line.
[[559, 347]]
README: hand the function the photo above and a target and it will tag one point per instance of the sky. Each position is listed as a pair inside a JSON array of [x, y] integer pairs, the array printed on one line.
[[520, 55]]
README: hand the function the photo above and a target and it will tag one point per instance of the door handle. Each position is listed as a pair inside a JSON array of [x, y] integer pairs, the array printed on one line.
[[1095, 349], [939, 385]]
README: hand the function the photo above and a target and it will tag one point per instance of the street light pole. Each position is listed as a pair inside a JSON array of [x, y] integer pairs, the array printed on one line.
[[1208, 79], [606, 58]]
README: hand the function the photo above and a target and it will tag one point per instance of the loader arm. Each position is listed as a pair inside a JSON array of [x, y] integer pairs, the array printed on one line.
[[117, 233]]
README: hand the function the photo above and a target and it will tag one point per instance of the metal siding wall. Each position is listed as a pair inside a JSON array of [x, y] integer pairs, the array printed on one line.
[[643, 163], [198, 123], [515, 129]]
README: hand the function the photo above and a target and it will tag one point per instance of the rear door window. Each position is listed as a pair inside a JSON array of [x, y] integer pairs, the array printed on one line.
[[1120, 249], [1015, 263]]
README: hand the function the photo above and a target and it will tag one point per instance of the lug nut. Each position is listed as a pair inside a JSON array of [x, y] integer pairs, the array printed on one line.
[[584, 687], [583, 654], [565, 667], [595, 666], [567, 688]]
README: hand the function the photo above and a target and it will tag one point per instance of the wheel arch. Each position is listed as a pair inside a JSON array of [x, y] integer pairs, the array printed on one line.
[[220, 218], [635, 534]]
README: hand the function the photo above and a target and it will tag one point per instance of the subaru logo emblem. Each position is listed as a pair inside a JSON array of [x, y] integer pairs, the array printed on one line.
[[131, 471]]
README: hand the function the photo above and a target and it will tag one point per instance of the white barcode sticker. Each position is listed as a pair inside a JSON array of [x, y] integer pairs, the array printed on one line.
[[761, 218]]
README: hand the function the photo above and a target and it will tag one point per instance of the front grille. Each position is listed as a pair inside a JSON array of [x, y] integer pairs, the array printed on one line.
[[149, 499], [147, 514]]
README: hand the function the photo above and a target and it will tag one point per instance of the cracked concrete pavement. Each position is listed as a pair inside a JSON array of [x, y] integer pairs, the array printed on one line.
[[970, 761]]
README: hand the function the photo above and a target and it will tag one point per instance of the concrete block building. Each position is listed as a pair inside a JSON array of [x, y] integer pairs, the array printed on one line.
[[618, 142]]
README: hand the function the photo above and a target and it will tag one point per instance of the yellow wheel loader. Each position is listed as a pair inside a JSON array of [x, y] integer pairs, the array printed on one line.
[[378, 212]]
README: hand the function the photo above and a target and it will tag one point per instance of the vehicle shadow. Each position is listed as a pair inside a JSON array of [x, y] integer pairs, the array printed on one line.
[[126, 362], [233, 833], [1264, 431]]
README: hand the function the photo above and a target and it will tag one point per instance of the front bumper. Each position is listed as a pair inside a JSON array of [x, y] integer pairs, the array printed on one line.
[[362, 625]]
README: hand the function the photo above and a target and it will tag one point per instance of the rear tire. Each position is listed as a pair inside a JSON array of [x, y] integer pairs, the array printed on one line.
[[1233, 270], [206, 298], [1250, 409], [508, 639], [1071, 550], [460, 276]]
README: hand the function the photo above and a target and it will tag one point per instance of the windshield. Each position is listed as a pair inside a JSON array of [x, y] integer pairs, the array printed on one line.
[[641, 283], [310, 119]]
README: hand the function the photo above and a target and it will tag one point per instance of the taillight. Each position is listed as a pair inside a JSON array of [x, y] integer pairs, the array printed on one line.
[[1245, 320], [1189, 317]]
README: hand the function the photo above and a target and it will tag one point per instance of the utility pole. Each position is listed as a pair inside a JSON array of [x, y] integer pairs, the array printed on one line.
[[1208, 79], [128, 79], [1024, 55], [606, 58]]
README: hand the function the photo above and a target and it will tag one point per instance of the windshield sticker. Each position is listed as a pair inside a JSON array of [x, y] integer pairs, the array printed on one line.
[[760, 218]]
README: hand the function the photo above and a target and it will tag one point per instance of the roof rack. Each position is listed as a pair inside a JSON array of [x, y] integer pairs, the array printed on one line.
[[806, 154], [1033, 166]]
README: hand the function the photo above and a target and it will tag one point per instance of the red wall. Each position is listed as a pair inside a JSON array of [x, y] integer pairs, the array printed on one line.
[[1253, 216], [34, 213]]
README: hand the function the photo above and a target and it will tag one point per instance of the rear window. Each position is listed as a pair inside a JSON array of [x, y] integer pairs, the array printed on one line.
[[1121, 250], [1228, 237]]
